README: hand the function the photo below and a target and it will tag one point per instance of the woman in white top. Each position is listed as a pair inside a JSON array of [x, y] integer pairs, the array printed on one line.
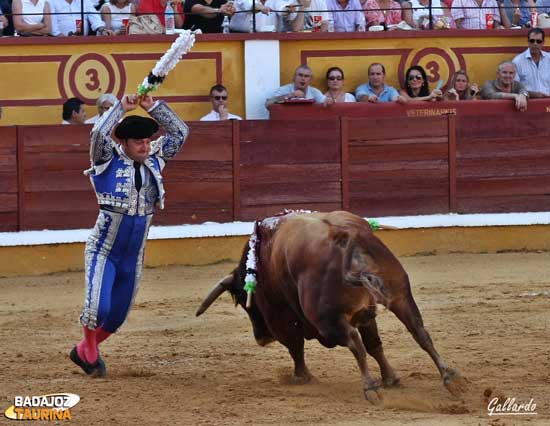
[[114, 12], [335, 83], [32, 17], [266, 20], [420, 10]]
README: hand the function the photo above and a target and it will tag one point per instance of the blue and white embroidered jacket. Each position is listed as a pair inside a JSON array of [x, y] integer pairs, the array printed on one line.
[[112, 171]]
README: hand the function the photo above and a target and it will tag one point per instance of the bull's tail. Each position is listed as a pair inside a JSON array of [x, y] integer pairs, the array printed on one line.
[[356, 267]]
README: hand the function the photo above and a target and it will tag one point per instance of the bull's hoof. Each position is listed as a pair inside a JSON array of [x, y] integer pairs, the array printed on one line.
[[391, 382], [373, 397], [454, 382], [303, 379]]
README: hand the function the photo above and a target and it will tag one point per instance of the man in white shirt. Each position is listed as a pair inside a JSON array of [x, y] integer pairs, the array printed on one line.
[[65, 13], [533, 66], [218, 97]]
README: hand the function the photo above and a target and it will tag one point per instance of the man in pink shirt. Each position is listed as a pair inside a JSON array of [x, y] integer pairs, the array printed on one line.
[[470, 14]]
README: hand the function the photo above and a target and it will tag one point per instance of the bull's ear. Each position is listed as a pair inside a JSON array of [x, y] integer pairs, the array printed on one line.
[[222, 285]]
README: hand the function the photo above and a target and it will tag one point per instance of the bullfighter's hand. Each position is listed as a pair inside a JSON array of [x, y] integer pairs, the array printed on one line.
[[129, 102], [147, 102]]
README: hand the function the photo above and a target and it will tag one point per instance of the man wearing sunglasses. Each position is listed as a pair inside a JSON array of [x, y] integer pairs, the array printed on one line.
[[533, 65], [218, 98]]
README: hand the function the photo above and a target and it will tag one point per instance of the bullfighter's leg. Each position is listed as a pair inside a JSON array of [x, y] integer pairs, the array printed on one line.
[[407, 311], [369, 333]]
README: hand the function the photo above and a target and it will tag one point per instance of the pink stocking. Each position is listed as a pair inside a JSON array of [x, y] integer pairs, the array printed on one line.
[[87, 348], [101, 335]]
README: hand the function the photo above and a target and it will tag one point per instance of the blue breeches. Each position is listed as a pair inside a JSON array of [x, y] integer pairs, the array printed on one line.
[[114, 260]]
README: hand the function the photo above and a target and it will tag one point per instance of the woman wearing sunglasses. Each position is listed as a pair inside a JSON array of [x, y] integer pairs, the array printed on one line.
[[460, 88], [416, 86], [335, 84]]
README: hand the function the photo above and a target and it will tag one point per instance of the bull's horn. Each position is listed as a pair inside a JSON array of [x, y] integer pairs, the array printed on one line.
[[216, 292]]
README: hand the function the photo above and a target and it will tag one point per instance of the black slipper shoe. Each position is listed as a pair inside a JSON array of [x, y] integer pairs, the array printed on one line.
[[96, 369]]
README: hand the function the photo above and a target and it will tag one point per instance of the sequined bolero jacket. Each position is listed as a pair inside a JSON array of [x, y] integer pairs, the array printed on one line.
[[112, 172]]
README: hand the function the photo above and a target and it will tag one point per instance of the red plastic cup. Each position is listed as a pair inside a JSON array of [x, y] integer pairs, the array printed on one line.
[[489, 21], [125, 22], [78, 25], [317, 21]]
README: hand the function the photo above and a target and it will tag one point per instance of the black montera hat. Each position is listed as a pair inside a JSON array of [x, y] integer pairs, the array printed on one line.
[[136, 127]]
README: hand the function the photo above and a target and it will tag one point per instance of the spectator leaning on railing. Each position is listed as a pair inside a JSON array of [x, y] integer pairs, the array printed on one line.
[[298, 89], [471, 14], [266, 19], [416, 86], [335, 84], [504, 87], [383, 12], [32, 17], [157, 7], [376, 90], [347, 15], [533, 66], [67, 12], [115, 12], [460, 88], [207, 15]]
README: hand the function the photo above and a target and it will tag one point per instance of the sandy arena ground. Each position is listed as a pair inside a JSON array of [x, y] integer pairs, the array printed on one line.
[[167, 367]]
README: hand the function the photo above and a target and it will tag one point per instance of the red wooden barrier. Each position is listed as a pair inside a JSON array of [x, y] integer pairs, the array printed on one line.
[[398, 171], [393, 109], [295, 165], [250, 169], [504, 167], [8, 179], [53, 192]]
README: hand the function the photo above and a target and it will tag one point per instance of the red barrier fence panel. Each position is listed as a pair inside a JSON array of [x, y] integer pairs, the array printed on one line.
[[199, 180], [503, 167], [398, 166], [53, 192], [8, 179], [289, 164]]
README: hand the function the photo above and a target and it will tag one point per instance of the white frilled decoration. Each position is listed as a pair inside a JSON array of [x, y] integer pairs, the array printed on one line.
[[169, 60]]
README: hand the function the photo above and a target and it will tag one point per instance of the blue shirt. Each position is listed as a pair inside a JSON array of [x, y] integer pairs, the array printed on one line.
[[389, 94]]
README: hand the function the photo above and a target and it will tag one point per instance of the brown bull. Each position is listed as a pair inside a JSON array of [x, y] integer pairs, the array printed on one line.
[[320, 276]]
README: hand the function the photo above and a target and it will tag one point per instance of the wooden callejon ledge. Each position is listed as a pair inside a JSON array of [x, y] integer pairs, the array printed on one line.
[[244, 170]]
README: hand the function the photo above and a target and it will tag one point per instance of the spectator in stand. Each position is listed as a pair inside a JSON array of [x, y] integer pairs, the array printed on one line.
[[347, 15], [157, 7], [335, 84], [420, 11], [266, 19], [32, 17], [104, 102], [220, 112], [114, 12], [519, 11], [470, 14], [416, 86], [298, 89], [447, 6], [67, 12], [5, 11], [383, 12], [73, 112], [376, 90], [206, 15], [460, 88], [533, 66], [316, 8], [293, 17], [504, 87]]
